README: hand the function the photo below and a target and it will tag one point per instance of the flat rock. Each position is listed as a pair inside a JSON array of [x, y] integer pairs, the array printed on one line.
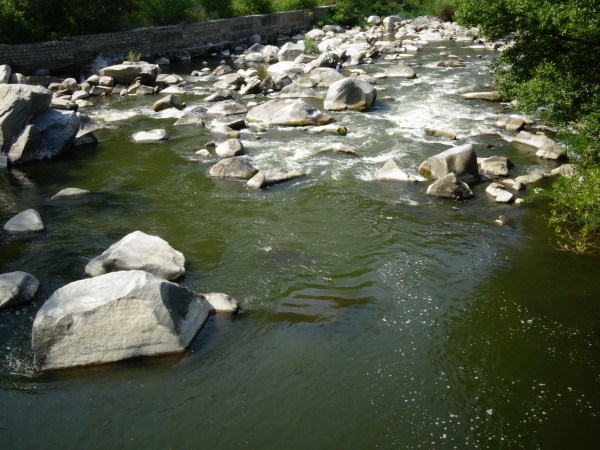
[[227, 108], [266, 178], [400, 71], [491, 96], [222, 303], [499, 192], [141, 137], [70, 193]]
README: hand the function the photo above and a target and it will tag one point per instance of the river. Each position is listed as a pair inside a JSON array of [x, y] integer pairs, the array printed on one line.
[[374, 316]]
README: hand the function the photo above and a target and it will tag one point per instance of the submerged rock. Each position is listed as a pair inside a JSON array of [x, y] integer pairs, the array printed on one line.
[[116, 316], [70, 193], [158, 134], [142, 251], [266, 178], [28, 220], [391, 172], [492, 96]]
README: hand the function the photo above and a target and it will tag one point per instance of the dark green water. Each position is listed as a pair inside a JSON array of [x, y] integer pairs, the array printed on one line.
[[375, 316]]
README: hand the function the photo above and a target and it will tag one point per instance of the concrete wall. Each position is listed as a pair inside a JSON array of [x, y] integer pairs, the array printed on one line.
[[195, 38]]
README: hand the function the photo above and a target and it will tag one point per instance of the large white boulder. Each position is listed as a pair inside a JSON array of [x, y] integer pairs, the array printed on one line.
[[350, 93], [50, 134], [5, 72], [17, 288], [116, 316], [460, 160], [19, 103], [287, 112], [546, 147], [142, 251]]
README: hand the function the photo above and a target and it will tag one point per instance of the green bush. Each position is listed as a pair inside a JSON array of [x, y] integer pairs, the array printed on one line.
[[292, 5], [250, 7], [310, 45]]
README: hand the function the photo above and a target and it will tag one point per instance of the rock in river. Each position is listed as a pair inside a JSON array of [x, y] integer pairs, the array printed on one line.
[[461, 160], [142, 251], [28, 220], [350, 93], [116, 316], [288, 113], [17, 288]]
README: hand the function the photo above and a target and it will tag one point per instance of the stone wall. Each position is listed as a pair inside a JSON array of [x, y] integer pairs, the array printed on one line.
[[195, 38]]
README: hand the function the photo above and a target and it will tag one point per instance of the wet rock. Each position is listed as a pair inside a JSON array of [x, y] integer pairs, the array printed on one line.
[[222, 303], [142, 137], [142, 251], [295, 90], [338, 149], [451, 63], [236, 167], [495, 166], [450, 186], [391, 172], [350, 93], [190, 119], [220, 95], [460, 160], [447, 134], [70, 193], [546, 147], [515, 124], [499, 192], [334, 128], [530, 178], [492, 96], [266, 178], [113, 317], [227, 108], [229, 148], [17, 288], [28, 220], [170, 101]]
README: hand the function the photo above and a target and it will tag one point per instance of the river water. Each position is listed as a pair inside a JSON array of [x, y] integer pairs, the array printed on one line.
[[374, 316]]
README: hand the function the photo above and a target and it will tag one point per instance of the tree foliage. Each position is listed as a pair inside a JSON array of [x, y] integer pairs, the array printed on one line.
[[551, 66]]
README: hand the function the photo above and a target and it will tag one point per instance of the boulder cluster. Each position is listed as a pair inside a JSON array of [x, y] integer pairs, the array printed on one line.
[[131, 306]]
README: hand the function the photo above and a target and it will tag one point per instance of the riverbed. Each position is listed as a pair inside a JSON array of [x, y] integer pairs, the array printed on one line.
[[374, 316]]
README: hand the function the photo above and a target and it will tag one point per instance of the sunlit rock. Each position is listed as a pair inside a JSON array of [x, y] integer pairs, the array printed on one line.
[[460, 160], [266, 178], [350, 93], [113, 317], [450, 186], [288, 113], [229, 148], [391, 172], [142, 251], [17, 288], [236, 167], [141, 137]]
